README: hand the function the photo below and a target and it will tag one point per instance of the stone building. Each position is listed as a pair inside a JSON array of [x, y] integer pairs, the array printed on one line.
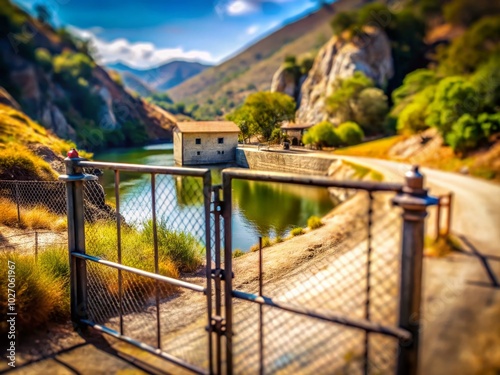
[[205, 142], [295, 132]]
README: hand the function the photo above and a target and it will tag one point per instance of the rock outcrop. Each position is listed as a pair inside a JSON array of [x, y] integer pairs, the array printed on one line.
[[369, 53], [286, 82]]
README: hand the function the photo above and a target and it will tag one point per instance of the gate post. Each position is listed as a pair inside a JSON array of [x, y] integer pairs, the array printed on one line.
[[74, 179], [414, 201]]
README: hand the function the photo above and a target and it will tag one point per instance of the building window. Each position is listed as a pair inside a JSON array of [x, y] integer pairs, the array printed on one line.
[[198, 141], [218, 152], [198, 153], [221, 141], [222, 152]]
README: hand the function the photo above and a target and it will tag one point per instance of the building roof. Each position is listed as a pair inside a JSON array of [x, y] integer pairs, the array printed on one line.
[[292, 125], [208, 127]]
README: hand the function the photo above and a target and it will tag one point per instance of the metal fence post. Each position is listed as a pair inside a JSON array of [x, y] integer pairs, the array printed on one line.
[[74, 179], [414, 201], [18, 204]]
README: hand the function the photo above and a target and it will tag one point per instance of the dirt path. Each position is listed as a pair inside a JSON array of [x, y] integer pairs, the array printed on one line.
[[461, 323]]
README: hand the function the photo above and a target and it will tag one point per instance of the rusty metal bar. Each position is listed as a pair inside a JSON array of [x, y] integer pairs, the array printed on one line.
[[368, 280], [119, 247], [449, 213], [207, 198], [261, 316], [396, 332], [290, 178], [228, 268], [154, 276], [157, 270], [414, 202], [178, 171], [217, 280], [75, 179], [438, 218], [146, 347]]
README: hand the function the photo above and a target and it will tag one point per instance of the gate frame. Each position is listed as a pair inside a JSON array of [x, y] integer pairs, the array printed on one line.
[[411, 197], [75, 179]]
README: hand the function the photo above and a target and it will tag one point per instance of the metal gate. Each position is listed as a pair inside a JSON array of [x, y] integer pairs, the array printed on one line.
[[122, 283], [350, 303]]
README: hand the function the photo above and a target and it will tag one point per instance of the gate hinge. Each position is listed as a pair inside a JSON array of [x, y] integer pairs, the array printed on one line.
[[220, 274], [218, 207], [217, 325]]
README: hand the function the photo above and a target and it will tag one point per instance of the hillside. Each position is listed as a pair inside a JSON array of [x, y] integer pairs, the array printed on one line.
[[251, 70], [160, 78], [51, 75]]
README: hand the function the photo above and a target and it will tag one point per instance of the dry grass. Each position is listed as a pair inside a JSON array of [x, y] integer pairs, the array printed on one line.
[[297, 231], [374, 149], [40, 296], [441, 247], [37, 217], [314, 222]]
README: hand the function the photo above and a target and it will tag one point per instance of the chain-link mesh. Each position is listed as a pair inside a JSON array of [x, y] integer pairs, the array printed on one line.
[[330, 273], [159, 227]]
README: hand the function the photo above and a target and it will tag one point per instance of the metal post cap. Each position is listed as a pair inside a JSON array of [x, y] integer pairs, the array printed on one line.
[[414, 179], [73, 154]]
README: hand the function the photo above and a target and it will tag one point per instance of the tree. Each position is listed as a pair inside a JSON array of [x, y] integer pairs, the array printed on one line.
[[343, 21], [465, 134], [42, 13], [455, 97], [475, 47], [356, 99], [412, 118], [262, 112], [413, 83], [321, 135], [350, 133], [466, 12]]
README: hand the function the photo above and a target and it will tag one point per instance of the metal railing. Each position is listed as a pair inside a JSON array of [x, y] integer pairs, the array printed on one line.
[[351, 302]]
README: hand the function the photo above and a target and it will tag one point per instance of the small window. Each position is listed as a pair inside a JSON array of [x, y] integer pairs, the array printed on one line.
[[218, 152], [221, 141], [222, 152], [198, 141], [198, 153]]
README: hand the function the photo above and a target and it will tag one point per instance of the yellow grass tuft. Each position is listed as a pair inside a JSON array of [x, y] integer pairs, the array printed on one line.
[[37, 217]]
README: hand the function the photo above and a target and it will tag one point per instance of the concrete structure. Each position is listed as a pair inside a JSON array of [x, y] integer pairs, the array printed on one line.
[[205, 142], [294, 132]]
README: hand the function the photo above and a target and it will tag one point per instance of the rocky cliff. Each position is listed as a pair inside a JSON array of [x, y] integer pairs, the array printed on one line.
[[369, 53], [84, 108]]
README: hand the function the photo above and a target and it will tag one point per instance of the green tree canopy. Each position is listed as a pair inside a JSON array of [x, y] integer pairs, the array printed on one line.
[[262, 112], [475, 47], [466, 12]]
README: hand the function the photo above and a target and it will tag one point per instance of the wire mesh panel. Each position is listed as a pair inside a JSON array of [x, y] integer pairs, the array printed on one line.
[[316, 290]]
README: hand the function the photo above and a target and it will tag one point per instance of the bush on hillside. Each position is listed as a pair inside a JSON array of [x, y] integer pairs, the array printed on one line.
[[314, 222], [350, 133], [321, 135]]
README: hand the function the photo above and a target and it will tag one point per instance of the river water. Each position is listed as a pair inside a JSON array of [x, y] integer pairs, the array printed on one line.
[[259, 208]]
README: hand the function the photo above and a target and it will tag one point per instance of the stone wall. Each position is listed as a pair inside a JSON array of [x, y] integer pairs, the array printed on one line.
[[276, 161]]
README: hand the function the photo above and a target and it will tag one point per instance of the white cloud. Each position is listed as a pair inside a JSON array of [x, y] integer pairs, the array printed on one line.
[[239, 7], [138, 55], [252, 29], [242, 7]]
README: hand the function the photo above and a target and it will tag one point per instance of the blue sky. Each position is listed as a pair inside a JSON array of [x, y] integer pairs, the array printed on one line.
[[145, 33]]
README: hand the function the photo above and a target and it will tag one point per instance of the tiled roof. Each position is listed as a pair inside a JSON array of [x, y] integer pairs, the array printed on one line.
[[292, 125], [208, 127]]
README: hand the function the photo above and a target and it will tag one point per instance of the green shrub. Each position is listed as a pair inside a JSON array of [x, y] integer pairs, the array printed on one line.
[[44, 58], [321, 135], [314, 222], [238, 253], [350, 133], [465, 134], [71, 66], [278, 239], [297, 231]]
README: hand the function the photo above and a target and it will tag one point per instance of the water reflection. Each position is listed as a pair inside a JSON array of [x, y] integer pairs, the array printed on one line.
[[259, 208]]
